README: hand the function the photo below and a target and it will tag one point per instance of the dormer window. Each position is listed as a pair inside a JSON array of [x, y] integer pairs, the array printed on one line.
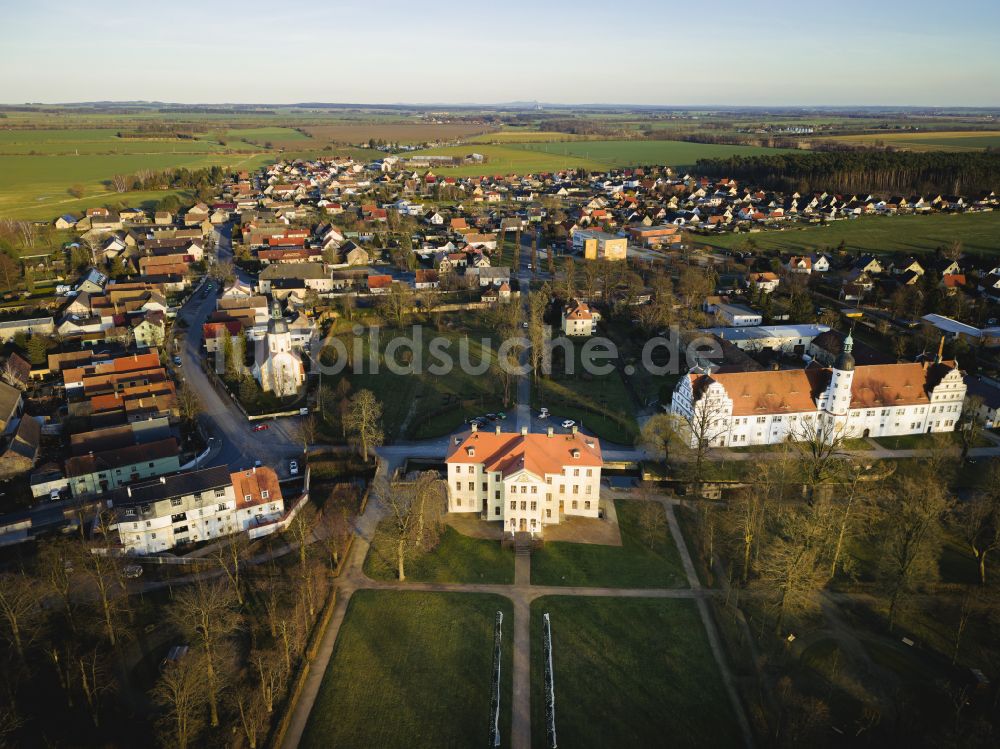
[[470, 451], [575, 452]]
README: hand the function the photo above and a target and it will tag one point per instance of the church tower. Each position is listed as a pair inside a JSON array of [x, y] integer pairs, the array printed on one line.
[[279, 340], [838, 394]]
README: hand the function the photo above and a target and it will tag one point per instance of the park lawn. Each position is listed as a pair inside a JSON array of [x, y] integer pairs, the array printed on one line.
[[629, 672], [634, 564], [978, 232], [600, 403], [457, 559], [440, 403], [413, 670]]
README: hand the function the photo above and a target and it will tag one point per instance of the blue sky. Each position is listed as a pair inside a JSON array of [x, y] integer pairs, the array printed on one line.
[[383, 51]]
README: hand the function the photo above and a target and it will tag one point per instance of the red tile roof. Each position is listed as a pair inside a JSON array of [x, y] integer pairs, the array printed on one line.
[[539, 454]]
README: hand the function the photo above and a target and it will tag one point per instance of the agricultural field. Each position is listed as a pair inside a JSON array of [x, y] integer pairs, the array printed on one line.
[[927, 141], [595, 155], [978, 232], [629, 672], [525, 136], [36, 186], [413, 670], [399, 132]]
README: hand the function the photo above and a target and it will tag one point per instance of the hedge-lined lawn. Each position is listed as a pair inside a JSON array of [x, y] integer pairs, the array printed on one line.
[[456, 559], [629, 672], [634, 564], [413, 670]]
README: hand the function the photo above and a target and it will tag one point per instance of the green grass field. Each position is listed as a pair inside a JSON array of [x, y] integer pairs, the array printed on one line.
[[457, 559], [978, 232], [629, 672], [412, 670], [634, 564]]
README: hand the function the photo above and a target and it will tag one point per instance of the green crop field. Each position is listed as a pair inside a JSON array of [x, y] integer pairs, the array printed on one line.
[[978, 232], [593, 155], [629, 672], [36, 186], [413, 670], [524, 136], [266, 133]]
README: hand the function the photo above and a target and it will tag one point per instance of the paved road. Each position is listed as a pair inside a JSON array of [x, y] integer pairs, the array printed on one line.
[[235, 443]]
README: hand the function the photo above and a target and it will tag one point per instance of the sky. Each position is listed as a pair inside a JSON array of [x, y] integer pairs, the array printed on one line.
[[778, 53]]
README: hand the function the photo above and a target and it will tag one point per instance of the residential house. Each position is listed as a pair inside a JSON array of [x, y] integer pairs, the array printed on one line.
[[578, 319]]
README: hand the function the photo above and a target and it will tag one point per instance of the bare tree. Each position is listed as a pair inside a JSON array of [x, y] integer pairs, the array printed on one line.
[[103, 573], [910, 534], [402, 517], [792, 567], [364, 421], [95, 680], [662, 432], [10, 375], [652, 518], [180, 690], [56, 566], [970, 427], [307, 432], [978, 519], [206, 613], [253, 719], [19, 609], [188, 403], [230, 553], [269, 673]]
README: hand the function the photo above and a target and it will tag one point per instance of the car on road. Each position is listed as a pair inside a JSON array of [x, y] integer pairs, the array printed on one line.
[[501, 415], [177, 361], [491, 417], [257, 463], [568, 424], [261, 427], [293, 467], [524, 325]]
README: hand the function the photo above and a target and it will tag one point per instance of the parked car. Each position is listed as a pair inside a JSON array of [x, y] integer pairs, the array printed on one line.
[[261, 427], [177, 361], [132, 571], [501, 415], [568, 424], [293, 467], [257, 463]]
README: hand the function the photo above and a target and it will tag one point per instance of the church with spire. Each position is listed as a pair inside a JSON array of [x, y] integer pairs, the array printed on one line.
[[736, 408], [279, 368]]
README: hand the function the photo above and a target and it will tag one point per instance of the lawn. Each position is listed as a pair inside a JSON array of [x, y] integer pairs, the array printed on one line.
[[925, 441], [457, 559], [439, 402], [634, 564], [600, 403], [978, 232], [629, 672], [413, 670]]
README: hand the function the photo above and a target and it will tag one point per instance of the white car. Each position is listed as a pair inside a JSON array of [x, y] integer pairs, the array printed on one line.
[[568, 424], [293, 467], [543, 415]]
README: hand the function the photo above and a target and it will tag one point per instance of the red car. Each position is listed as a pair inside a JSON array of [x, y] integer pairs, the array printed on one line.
[[261, 427]]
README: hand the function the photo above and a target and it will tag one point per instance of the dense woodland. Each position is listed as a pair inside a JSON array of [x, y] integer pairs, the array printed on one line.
[[966, 173]]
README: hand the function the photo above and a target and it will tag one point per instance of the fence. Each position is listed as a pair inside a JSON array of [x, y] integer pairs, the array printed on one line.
[[550, 686], [495, 686]]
